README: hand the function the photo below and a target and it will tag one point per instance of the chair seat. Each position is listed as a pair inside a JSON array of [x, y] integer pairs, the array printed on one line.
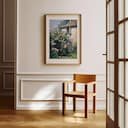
[[78, 94]]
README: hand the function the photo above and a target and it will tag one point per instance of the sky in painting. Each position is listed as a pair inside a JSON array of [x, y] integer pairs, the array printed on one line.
[[54, 24]]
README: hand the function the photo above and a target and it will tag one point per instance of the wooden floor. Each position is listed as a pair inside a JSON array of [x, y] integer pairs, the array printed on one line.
[[50, 119]]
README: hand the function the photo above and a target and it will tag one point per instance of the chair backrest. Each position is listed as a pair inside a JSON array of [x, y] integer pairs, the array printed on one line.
[[84, 78]]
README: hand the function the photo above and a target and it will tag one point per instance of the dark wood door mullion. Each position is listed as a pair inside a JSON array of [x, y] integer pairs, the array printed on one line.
[[116, 64], [110, 62], [123, 20], [110, 90], [123, 59], [108, 1], [126, 99], [110, 32]]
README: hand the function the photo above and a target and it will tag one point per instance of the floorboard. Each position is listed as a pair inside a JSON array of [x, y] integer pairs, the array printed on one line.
[[50, 119]]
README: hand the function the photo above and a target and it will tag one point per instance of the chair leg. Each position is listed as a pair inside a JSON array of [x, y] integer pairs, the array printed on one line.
[[86, 102], [63, 105], [94, 104], [74, 104], [74, 99], [63, 99], [94, 98]]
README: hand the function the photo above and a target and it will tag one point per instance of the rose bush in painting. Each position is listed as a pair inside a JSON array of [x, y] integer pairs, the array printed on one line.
[[61, 45]]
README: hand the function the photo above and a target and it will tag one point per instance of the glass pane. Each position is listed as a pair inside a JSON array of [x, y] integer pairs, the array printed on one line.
[[121, 9], [126, 81], [121, 41], [111, 47], [108, 18], [108, 49], [111, 76], [111, 105], [108, 86], [126, 114], [108, 103], [111, 15], [126, 39], [126, 8], [121, 113], [121, 78]]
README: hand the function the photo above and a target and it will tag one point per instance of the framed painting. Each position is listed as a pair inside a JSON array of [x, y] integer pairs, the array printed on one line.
[[63, 38]]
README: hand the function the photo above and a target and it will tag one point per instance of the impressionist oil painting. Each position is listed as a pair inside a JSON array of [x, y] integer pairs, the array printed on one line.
[[63, 38]]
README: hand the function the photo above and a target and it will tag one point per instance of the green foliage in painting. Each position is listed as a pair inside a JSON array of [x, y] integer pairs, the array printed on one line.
[[61, 45]]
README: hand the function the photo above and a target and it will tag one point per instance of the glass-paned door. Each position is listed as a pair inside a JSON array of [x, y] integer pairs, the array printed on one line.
[[123, 63], [117, 63], [110, 63]]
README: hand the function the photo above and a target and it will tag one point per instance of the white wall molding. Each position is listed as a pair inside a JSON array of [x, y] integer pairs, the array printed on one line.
[[33, 92], [99, 77], [59, 73], [54, 83]]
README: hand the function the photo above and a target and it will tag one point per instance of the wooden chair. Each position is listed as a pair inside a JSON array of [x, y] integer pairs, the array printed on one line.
[[87, 80]]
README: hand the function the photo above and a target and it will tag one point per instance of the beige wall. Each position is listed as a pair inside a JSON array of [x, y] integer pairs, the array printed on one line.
[[30, 48]]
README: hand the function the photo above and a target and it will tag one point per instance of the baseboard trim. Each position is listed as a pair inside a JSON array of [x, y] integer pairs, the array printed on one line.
[[100, 105]]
